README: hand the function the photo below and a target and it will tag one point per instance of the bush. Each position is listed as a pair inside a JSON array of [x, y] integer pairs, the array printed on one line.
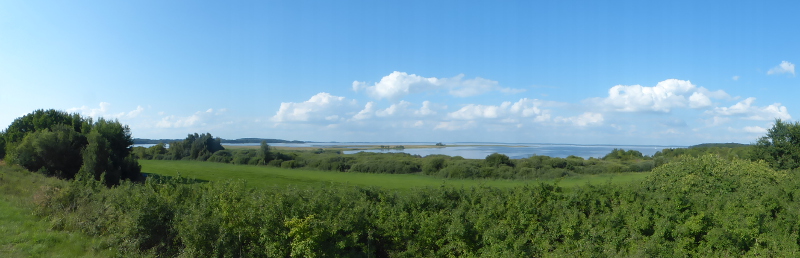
[[223, 156], [275, 162], [289, 164]]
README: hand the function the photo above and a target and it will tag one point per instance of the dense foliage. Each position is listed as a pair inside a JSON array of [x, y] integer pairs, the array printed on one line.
[[693, 206], [781, 146], [62, 144]]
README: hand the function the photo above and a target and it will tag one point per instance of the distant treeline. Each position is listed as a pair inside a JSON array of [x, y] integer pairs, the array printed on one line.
[[242, 140], [727, 145], [498, 166]]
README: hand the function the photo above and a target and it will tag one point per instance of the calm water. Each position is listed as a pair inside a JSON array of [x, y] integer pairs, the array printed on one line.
[[518, 151], [513, 150]]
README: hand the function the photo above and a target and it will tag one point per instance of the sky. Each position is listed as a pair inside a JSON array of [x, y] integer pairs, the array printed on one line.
[[577, 72]]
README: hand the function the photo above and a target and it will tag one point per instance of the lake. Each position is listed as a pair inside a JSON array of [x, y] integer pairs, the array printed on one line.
[[479, 150], [519, 151]]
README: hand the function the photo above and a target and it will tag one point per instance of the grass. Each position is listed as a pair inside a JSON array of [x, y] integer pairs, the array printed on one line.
[[24, 235], [262, 176]]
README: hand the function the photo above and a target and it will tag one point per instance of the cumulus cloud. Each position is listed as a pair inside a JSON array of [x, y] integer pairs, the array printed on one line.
[[663, 97], [92, 112], [400, 84], [103, 111], [524, 108], [755, 129], [402, 109], [198, 118], [320, 107], [394, 109], [746, 110], [784, 67], [425, 110], [585, 119], [365, 113]]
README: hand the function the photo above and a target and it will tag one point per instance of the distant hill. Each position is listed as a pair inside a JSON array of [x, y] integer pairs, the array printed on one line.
[[242, 140], [728, 145]]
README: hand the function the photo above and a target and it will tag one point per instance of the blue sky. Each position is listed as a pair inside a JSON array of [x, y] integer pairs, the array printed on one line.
[[585, 72]]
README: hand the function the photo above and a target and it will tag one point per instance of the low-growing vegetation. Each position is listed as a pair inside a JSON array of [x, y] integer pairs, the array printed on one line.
[[694, 206], [702, 201]]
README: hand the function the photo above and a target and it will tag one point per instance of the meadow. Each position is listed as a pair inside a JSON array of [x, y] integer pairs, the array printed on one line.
[[266, 176]]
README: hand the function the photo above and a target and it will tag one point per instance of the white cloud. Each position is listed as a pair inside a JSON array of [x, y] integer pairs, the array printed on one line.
[[425, 110], [400, 84], [699, 100], [716, 120], [199, 118], [92, 112], [755, 129], [521, 109], [784, 67], [472, 111], [455, 125], [398, 110], [663, 97], [104, 110], [320, 107], [587, 118], [735, 77], [135, 112], [746, 110], [365, 113], [178, 122], [394, 109]]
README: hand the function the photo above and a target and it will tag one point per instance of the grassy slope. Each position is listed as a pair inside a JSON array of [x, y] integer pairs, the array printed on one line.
[[24, 235], [261, 176]]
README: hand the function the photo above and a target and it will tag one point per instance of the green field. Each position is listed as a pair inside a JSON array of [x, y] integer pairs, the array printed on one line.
[[263, 176]]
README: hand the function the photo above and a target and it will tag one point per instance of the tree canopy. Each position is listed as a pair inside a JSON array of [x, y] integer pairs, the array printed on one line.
[[60, 144], [781, 146]]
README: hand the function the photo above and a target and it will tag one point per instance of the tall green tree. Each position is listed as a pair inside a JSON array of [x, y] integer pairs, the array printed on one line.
[[781, 146], [263, 152]]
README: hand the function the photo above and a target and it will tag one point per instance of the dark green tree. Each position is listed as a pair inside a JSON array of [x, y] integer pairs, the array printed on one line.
[[781, 146], [59, 143], [497, 159], [2, 144], [263, 152], [55, 152]]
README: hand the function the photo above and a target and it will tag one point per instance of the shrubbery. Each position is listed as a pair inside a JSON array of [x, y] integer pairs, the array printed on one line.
[[706, 206], [60, 144]]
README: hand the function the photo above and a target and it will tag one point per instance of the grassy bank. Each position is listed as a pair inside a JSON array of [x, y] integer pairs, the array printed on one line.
[[23, 234], [263, 176]]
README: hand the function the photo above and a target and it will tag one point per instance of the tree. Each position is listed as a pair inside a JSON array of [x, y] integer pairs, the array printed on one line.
[[264, 153], [497, 159], [55, 152], [2, 144], [195, 146], [61, 144], [781, 146]]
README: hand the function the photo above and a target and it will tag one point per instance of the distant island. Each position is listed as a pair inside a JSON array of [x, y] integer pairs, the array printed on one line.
[[241, 140], [727, 145]]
